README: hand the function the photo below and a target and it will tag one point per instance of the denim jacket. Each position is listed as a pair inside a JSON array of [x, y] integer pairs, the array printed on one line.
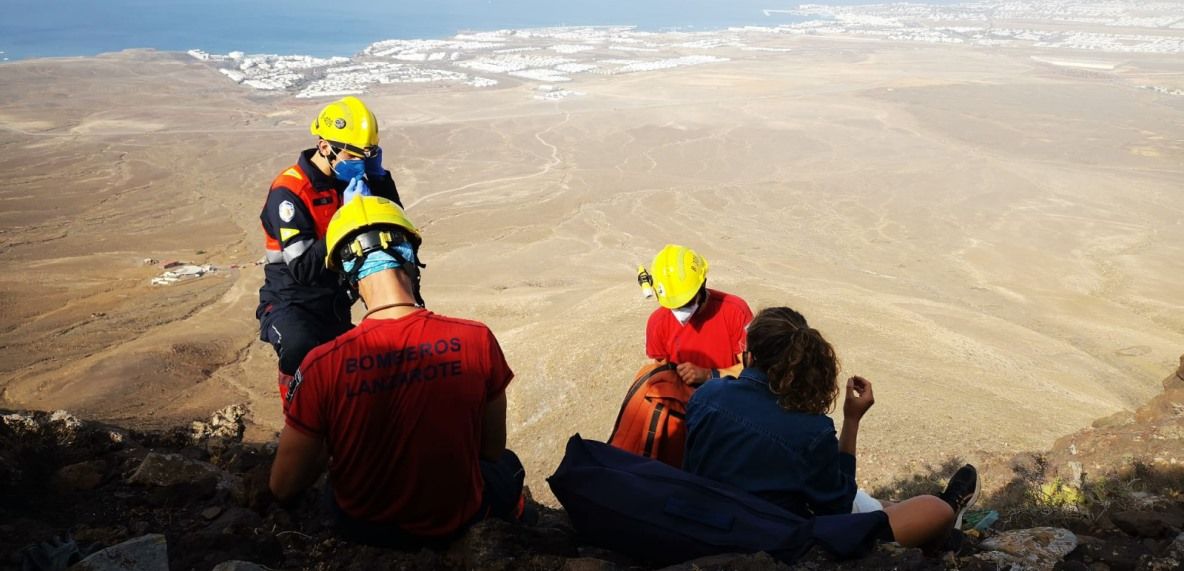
[[739, 435]]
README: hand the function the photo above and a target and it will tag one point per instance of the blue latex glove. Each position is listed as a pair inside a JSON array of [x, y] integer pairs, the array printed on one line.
[[357, 187], [374, 168]]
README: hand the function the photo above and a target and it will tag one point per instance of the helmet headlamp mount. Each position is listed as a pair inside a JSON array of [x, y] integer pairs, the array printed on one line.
[[363, 244]]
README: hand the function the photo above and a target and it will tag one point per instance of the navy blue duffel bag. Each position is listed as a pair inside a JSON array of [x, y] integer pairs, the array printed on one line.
[[659, 514]]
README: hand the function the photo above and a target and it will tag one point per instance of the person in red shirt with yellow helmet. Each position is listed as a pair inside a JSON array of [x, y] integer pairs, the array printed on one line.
[[409, 406], [302, 304], [699, 329]]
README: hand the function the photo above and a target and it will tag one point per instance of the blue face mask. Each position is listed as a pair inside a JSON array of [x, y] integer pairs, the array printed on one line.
[[349, 169], [379, 261]]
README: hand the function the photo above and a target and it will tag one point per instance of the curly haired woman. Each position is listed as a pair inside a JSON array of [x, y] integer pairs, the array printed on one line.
[[767, 433]]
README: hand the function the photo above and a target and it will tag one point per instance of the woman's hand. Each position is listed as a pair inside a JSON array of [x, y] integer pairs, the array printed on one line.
[[859, 398]]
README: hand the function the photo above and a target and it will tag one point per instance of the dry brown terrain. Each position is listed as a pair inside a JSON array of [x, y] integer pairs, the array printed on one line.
[[994, 240]]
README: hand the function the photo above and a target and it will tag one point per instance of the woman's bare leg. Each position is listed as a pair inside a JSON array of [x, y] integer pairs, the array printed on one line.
[[920, 520]]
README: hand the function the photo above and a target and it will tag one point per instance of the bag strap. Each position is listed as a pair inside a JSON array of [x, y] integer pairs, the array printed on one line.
[[633, 389], [649, 437]]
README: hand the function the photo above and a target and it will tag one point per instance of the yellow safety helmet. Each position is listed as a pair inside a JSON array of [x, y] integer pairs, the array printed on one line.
[[348, 123], [347, 236], [678, 274]]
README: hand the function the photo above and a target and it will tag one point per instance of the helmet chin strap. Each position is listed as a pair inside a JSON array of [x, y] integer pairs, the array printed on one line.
[[412, 270]]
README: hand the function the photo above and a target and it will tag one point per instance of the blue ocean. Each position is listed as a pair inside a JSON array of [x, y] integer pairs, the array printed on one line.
[[51, 28]]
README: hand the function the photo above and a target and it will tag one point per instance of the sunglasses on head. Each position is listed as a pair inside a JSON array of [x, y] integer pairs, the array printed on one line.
[[355, 152]]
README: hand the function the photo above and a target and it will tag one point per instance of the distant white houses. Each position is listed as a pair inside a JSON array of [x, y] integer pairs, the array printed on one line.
[[177, 271], [547, 92], [544, 56], [565, 54]]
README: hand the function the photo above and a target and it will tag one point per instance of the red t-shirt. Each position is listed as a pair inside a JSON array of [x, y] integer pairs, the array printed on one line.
[[400, 403], [711, 339]]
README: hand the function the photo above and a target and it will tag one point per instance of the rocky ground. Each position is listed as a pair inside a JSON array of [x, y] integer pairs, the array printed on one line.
[[1108, 497]]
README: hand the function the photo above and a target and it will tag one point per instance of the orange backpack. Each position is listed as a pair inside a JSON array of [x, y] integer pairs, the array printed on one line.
[[652, 418]]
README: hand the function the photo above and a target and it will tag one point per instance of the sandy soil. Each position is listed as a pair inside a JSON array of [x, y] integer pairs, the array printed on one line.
[[992, 239]]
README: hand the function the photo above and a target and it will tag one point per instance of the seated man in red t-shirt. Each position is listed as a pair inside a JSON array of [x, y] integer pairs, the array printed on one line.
[[409, 407], [699, 329]]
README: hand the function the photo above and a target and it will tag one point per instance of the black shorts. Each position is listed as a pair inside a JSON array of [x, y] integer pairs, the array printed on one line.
[[294, 331], [503, 492]]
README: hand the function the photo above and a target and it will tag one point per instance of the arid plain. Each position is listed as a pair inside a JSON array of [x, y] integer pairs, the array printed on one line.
[[995, 240]]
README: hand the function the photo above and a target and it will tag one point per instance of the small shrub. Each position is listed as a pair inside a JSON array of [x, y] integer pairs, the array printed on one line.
[[1035, 497]]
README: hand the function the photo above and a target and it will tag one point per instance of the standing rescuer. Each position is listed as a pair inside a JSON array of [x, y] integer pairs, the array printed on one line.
[[302, 304]]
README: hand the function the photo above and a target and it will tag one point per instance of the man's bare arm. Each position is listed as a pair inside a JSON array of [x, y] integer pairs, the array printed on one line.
[[298, 463], [493, 428]]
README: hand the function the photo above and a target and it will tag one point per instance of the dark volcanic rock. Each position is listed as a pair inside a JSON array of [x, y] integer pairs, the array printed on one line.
[[146, 553], [730, 562], [1149, 524], [233, 520], [495, 544], [160, 469], [239, 566], [1117, 553], [205, 550], [80, 477], [589, 564]]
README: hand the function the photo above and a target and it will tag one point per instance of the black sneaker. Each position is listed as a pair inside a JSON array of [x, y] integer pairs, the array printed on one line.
[[961, 492]]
